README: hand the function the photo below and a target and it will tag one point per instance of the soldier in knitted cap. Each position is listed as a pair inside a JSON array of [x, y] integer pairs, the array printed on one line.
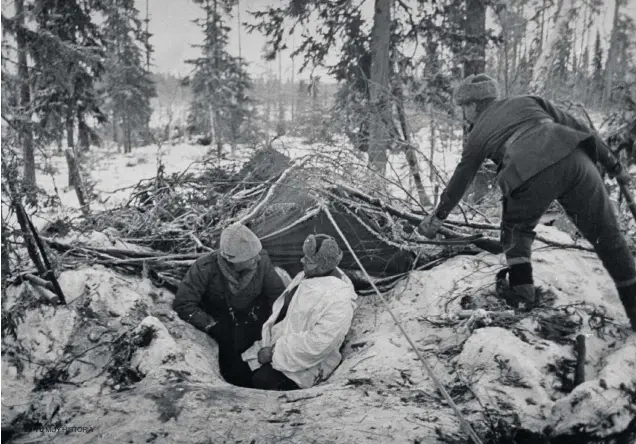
[[229, 294], [542, 154], [302, 337]]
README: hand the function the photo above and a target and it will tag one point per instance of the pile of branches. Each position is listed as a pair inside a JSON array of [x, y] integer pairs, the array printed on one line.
[[162, 212], [179, 217]]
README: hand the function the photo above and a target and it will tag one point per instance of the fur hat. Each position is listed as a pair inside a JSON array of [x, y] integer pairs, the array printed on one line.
[[239, 244], [476, 87], [327, 255]]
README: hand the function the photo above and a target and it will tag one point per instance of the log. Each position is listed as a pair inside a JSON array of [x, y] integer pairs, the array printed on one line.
[[35, 280], [122, 252], [46, 294], [49, 268]]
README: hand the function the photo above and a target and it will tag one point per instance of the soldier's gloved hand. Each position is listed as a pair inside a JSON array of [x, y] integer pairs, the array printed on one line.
[[265, 355], [430, 226]]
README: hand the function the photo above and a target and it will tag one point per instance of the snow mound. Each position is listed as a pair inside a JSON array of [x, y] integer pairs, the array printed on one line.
[[118, 363]]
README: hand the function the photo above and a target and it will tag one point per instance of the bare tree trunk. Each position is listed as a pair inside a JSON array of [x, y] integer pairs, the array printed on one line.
[[475, 27], [128, 133], [280, 126], [610, 64], [431, 158], [114, 128], [59, 141], [147, 36], [26, 130], [543, 65], [542, 31], [475, 54], [379, 87], [409, 151], [268, 107], [6, 253], [217, 122], [293, 89], [75, 177], [82, 136], [70, 143]]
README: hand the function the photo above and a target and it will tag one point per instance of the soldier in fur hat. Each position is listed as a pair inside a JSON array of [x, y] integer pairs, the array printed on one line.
[[542, 154], [309, 322]]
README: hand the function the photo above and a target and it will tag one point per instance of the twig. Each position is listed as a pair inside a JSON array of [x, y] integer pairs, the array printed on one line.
[[302, 398], [199, 244], [269, 194], [487, 244]]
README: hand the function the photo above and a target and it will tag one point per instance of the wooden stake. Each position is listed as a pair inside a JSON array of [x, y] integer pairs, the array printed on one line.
[[579, 372]]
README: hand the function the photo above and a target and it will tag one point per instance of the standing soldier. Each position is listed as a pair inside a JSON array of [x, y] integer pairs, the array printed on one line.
[[542, 154]]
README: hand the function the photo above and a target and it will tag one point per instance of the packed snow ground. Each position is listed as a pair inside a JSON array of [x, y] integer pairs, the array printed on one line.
[[379, 393]]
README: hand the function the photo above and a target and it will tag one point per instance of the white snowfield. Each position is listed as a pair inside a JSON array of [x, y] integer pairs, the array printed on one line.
[[380, 393], [113, 174]]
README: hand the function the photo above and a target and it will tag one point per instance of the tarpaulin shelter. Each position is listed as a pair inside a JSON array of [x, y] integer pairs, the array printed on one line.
[[285, 225], [293, 213]]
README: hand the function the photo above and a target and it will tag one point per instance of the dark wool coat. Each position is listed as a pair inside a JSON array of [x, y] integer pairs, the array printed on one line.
[[204, 296], [543, 135]]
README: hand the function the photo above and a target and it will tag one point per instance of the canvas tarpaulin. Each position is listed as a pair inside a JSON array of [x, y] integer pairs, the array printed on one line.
[[282, 235]]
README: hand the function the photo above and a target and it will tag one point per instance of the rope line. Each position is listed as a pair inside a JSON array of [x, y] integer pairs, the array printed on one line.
[[465, 425]]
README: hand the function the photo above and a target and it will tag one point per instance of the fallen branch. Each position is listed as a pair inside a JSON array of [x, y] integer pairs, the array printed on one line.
[[49, 268], [269, 194], [35, 280], [487, 244], [199, 244]]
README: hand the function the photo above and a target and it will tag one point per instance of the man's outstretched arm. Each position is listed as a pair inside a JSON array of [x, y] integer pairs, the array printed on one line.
[[462, 177]]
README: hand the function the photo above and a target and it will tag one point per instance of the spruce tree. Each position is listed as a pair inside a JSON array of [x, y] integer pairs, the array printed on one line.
[[597, 67], [68, 51], [64, 51], [128, 86], [220, 83]]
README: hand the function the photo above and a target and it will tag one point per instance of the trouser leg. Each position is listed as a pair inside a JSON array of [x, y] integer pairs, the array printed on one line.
[[234, 370], [522, 211], [268, 378], [588, 205]]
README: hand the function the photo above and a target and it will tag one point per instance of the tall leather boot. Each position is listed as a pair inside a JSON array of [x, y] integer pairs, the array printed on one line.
[[628, 298], [522, 293]]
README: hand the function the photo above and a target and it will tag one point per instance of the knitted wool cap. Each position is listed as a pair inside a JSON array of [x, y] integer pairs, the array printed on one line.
[[476, 87], [239, 244], [328, 255]]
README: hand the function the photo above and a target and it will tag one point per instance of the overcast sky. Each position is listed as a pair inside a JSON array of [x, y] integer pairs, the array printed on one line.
[[174, 33]]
